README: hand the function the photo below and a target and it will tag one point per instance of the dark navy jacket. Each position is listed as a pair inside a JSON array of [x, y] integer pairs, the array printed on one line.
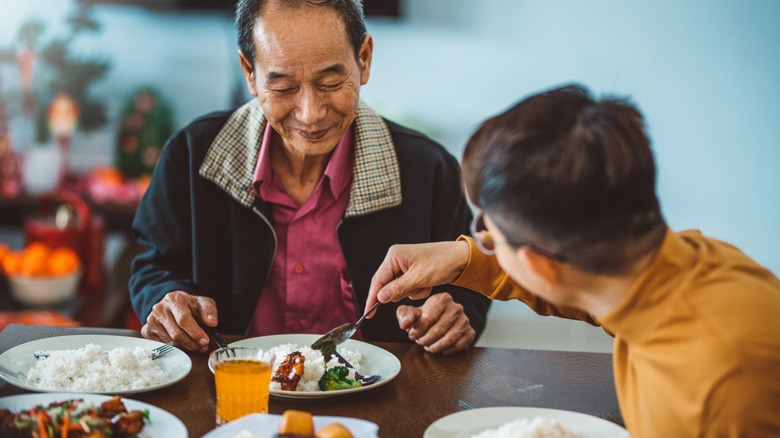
[[205, 232]]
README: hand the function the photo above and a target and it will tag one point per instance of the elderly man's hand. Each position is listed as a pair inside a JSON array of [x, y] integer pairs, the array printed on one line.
[[440, 324], [177, 317]]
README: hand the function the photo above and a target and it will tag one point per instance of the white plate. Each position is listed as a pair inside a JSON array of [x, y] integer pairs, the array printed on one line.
[[375, 361], [17, 361], [161, 422], [266, 425], [471, 422]]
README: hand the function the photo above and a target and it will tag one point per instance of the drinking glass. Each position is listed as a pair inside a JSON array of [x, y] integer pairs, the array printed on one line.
[[242, 376]]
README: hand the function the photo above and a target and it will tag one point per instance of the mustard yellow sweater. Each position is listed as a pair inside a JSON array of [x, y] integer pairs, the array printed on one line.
[[697, 339]]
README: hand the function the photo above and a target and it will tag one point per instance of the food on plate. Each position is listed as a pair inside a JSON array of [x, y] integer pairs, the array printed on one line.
[[296, 423], [334, 430], [337, 378], [73, 418], [309, 367], [289, 373], [300, 424], [538, 427], [91, 369]]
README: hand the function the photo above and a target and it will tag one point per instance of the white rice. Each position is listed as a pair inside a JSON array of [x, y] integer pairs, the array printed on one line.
[[89, 369], [539, 427], [314, 366]]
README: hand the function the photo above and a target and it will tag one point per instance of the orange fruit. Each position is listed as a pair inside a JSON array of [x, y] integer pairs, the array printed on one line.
[[63, 261], [10, 263], [33, 261], [110, 176], [4, 249]]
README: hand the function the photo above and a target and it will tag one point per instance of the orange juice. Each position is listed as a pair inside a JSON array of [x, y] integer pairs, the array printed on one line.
[[242, 388]]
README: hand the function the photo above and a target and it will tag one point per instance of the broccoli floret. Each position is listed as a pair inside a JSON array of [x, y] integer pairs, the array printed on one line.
[[336, 378]]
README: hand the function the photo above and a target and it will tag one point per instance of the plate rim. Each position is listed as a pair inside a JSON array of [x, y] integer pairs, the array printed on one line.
[[325, 394], [95, 339], [91, 397], [517, 413], [215, 433]]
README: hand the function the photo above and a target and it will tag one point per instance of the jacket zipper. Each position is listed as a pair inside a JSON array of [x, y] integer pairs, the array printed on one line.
[[273, 255], [351, 286]]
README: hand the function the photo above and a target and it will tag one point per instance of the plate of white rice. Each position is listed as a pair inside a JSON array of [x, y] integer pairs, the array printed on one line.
[[520, 422], [366, 358], [93, 364]]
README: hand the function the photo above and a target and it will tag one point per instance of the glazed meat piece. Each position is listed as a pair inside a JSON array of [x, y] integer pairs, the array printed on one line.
[[290, 371], [113, 407], [128, 423]]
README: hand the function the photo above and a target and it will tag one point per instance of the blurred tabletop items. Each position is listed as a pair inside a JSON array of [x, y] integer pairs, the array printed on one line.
[[59, 209], [58, 274]]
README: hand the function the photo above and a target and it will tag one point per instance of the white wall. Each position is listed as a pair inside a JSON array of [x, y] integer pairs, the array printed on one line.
[[706, 73]]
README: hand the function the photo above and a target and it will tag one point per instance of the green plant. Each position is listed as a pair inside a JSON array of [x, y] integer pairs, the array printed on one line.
[[60, 70], [146, 122]]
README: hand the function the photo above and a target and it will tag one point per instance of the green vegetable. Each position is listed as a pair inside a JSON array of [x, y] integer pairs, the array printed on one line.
[[336, 378]]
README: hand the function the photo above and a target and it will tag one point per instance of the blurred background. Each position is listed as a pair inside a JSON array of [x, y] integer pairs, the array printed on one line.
[[705, 74]]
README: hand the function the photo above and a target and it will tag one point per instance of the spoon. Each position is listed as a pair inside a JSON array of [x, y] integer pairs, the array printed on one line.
[[327, 343]]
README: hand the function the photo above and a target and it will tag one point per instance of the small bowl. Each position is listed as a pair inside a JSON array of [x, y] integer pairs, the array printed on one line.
[[43, 291]]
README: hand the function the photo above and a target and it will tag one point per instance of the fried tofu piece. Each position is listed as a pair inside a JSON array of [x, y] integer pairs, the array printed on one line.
[[296, 423], [334, 430]]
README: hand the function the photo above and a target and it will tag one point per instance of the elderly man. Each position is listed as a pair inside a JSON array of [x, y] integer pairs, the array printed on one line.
[[272, 218], [571, 226]]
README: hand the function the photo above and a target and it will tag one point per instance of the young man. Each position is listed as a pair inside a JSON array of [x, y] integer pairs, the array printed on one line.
[[571, 225]]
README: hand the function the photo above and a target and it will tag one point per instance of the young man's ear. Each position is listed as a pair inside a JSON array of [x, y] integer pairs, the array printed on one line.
[[249, 73], [544, 267]]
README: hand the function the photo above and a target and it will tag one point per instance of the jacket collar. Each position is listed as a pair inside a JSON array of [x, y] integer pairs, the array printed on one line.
[[376, 184]]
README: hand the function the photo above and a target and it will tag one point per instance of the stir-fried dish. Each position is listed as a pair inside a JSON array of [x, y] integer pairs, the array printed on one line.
[[73, 419]]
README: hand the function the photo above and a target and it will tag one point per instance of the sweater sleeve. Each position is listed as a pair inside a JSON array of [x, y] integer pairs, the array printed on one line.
[[484, 275]]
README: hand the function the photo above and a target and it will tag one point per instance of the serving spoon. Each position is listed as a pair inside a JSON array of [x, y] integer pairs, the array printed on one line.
[[327, 343]]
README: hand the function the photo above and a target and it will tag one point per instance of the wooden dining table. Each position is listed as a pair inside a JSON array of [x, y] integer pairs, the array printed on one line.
[[428, 387]]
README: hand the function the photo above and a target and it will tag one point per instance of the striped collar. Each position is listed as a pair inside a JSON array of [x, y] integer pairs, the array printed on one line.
[[376, 185]]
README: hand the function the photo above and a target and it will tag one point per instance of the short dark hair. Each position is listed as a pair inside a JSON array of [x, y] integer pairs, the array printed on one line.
[[570, 174], [248, 12]]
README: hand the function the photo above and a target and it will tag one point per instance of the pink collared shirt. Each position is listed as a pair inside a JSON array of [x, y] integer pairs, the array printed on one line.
[[308, 289]]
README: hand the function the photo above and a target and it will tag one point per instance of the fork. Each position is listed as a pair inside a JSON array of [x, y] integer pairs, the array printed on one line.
[[161, 350], [156, 352]]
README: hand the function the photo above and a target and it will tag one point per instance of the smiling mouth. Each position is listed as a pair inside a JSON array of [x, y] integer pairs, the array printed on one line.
[[313, 135]]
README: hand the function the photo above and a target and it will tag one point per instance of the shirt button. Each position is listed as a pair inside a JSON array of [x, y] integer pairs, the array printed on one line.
[[296, 326], [298, 269]]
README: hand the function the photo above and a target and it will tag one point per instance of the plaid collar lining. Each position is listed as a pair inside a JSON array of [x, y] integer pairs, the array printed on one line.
[[376, 185]]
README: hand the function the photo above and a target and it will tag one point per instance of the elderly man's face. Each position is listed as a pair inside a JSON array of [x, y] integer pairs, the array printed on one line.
[[306, 76]]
